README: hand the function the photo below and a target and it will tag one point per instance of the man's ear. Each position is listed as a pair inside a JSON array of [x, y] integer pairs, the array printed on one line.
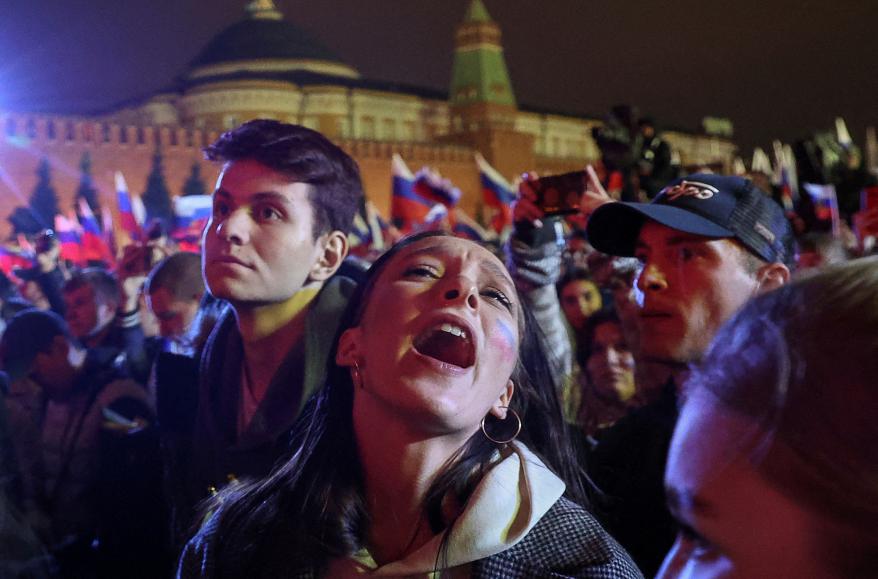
[[501, 405], [348, 352], [771, 276], [335, 248]]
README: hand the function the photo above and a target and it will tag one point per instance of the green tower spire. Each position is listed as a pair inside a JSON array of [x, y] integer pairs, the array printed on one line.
[[477, 12], [479, 74]]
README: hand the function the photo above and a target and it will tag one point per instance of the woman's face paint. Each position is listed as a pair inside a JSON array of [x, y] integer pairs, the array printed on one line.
[[504, 339]]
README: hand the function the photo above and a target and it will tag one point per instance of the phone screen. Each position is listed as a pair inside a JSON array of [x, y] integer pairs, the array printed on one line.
[[561, 194]]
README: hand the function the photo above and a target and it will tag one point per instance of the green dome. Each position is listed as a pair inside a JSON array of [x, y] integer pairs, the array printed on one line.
[[261, 39]]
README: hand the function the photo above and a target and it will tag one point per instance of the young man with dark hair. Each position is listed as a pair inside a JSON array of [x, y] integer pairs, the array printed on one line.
[[283, 205], [706, 244]]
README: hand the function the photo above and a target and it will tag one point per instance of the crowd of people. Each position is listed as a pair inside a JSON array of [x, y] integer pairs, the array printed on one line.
[[682, 387]]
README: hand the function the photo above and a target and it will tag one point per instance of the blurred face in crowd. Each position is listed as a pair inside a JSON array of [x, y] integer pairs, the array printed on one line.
[[624, 298], [31, 291], [735, 524], [688, 286], [578, 251], [444, 358], [610, 365], [579, 300], [259, 246], [85, 314], [52, 369], [174, 315]]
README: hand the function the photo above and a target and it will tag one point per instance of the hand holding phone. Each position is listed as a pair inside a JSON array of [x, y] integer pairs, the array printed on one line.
[[561, 194]]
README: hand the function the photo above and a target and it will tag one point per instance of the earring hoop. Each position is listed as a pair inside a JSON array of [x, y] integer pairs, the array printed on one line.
[[507, 441], [358, 376]]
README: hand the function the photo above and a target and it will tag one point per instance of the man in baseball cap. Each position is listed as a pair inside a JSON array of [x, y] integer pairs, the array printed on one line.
[[706, 244]]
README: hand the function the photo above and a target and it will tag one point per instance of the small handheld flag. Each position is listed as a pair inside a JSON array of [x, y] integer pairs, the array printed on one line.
[[497, 193], [408, 209], [131, 211]]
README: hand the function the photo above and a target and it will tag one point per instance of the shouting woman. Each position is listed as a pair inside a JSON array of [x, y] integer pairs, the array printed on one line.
[[435, 448]]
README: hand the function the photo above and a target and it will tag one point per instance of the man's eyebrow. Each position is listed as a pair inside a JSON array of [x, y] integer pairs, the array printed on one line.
[[261, 196], [271, 196]]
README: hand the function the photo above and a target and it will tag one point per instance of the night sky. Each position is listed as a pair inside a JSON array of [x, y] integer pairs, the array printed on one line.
[[778, 69]]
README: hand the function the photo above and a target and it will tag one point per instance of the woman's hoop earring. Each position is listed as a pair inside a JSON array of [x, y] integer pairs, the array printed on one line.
[[514, 436], [358, 376]]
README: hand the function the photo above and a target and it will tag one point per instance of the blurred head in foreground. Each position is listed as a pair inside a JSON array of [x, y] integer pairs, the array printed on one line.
[[773, 468]]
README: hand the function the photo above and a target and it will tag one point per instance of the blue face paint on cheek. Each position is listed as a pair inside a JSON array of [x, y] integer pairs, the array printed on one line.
[[504, 339]]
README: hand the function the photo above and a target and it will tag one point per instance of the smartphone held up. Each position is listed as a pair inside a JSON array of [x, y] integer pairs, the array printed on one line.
[[561, 194]]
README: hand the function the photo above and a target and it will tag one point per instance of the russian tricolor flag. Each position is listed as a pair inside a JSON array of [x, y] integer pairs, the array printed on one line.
[[191, 214], [66, 230], [467, 227], [825, 203], [408, 209], [430, 185], [132, 214], [368, 230], [496, 193], [94, 245], [784, 176], [11, 259]]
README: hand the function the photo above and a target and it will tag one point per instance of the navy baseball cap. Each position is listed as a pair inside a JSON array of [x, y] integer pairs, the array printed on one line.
[[28, 332], [714, 206]]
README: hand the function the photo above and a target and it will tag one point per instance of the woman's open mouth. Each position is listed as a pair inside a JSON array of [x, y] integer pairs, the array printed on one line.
[[448, 343]]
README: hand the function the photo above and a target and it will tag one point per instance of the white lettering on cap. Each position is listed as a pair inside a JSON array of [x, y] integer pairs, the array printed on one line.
[[764, 232], [689, 189]]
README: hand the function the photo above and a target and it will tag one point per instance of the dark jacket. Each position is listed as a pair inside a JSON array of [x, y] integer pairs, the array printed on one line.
[[218, 451], [566, 542], [100, 475], [628, 465]]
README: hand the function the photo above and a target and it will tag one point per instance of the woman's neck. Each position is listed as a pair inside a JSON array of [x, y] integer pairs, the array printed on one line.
[[399, 466]]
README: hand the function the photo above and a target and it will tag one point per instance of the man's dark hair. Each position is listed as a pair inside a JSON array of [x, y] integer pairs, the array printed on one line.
[[102, 282], [305, 156], [180, 274]]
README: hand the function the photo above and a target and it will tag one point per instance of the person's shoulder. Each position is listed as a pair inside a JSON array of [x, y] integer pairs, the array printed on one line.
[[566, 542], [339, 288]]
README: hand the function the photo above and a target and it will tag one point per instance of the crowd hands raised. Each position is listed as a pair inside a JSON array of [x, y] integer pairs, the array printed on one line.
[[660, 383]]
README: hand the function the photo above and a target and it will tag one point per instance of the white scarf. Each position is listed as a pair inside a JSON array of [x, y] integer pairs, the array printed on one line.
[[504, 507]]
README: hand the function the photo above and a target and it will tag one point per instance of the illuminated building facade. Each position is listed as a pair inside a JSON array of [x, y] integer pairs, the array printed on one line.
[[265, 66]]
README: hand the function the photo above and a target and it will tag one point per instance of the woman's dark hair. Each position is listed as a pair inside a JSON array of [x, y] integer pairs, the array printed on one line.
[[571, 275], [585, 340], [312, 508]]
